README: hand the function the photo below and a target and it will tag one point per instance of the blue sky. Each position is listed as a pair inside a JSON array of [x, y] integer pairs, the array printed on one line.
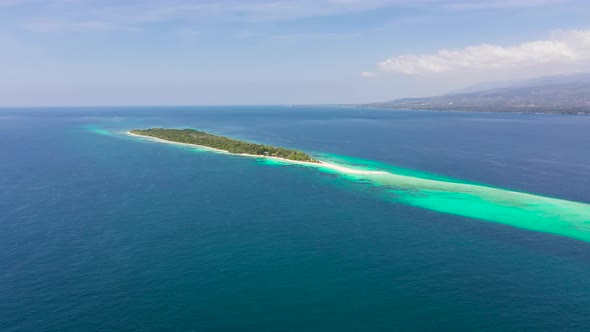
[[180, 52]]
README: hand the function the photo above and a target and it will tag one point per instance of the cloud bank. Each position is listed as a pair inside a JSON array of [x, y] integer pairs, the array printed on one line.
[[564, 50]]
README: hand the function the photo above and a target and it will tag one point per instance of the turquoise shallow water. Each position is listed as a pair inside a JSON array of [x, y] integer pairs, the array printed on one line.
[[522, 210], [99, 231], [438, 193]]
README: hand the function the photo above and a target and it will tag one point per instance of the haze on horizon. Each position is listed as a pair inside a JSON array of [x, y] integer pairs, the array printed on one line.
[[67, 52]]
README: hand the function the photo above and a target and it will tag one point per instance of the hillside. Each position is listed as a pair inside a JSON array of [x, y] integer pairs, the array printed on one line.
[[559, 95]]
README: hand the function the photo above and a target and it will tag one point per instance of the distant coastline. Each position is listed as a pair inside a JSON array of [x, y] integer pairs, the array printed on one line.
[[569, 94], [473, 110]]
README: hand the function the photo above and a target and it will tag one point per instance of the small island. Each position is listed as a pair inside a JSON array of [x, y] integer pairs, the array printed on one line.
[[196, 137]]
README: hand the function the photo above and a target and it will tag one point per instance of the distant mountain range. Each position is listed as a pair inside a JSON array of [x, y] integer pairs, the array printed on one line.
[[557, 94]]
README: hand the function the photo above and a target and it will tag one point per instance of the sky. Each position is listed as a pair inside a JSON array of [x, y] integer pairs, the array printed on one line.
[[228, 52]]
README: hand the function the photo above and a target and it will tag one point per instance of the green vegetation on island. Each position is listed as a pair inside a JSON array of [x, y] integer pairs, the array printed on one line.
[[191, 136]]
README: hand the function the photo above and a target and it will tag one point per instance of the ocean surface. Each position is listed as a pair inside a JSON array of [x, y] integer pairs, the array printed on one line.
[[474, 221]]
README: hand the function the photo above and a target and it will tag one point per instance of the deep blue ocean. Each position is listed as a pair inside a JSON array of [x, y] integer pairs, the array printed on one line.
[[103, 232]]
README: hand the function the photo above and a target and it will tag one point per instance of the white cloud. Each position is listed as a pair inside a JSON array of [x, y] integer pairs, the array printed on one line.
[[368, 74], [567, 50]]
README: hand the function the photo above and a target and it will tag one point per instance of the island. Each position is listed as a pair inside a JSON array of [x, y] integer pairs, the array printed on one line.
[[200, 138]]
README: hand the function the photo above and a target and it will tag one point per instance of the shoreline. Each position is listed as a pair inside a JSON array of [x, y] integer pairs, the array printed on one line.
[[530, 112], [320, 163]]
